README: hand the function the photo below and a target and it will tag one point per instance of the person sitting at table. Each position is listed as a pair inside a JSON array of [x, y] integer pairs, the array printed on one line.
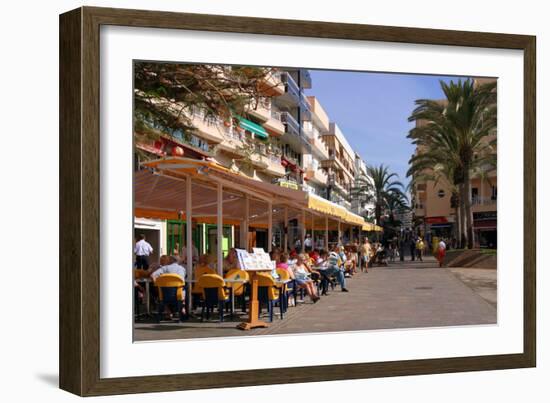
[[183, 254], [314, 255], [310, 265], [301, 272], [231, 261], [163, 261], [334, 268], [173, 267], [348, 264], [292, 257], [282, 263], [321, 265]]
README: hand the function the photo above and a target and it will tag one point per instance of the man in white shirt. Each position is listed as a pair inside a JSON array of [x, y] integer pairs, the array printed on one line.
[[143, 250], [308, 243], [441, 249]]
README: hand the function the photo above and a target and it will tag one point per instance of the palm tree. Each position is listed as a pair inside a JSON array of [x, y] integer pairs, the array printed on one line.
[[380, 187], [455, 135]]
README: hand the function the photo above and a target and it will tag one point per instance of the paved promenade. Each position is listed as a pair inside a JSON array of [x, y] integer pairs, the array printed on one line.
[[403, 295]]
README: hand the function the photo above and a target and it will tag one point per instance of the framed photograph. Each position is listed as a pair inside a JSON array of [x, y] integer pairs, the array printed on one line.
[[249, 201]]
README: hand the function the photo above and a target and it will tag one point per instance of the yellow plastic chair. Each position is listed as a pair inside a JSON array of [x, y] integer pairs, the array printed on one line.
[[213, 293], [238, 289], [199, 272], [170, 289], [289, 289], [268, 294]]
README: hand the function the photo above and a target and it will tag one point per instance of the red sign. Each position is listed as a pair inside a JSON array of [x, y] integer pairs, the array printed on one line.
[[436, 220]]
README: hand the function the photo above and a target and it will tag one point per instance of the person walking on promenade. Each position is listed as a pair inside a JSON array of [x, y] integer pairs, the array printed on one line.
[[419, 248], [401, 244], [143, 250], [441, 250], [412, 247], [365, 254]]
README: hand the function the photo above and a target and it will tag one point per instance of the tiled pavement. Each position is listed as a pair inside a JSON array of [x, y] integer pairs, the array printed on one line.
[[403, 295]]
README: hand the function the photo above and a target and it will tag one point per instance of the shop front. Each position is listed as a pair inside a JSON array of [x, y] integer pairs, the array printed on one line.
[[485, 229]]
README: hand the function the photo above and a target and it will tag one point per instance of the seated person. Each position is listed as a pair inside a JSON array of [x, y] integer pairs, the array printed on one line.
[[301, 271], [172, 267], [163, 261], [283, 264], [314, 255], [331, 267], [183, 254], [348, 264], [231, 261]]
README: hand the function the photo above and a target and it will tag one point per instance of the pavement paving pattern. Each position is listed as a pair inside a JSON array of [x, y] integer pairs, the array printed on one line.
[[403, 295]]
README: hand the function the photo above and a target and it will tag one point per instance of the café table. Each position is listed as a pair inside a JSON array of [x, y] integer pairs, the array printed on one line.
[[147, 281], [253, 304]]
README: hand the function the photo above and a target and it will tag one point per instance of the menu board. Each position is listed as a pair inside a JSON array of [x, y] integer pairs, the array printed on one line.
[[258, 260]]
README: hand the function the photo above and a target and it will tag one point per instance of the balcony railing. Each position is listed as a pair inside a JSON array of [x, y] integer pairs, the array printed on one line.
[[291, 125], [483, 201], [290, 86]]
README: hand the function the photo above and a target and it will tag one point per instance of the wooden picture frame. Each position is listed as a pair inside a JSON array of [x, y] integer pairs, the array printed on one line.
[[79, 200]]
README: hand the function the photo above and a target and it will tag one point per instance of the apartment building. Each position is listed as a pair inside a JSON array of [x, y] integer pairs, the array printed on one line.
[[361, 204], [340, 166], [434, 204], [316, 178], [284, 138]]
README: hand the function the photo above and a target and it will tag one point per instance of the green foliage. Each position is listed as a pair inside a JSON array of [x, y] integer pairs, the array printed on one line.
[[382, 188], [453, 140], [167, 96]]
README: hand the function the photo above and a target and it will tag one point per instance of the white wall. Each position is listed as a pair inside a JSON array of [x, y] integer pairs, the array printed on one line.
[[29, 33]]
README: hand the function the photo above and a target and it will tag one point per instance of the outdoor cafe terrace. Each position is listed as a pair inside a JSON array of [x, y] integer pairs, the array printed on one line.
[[179, 188]]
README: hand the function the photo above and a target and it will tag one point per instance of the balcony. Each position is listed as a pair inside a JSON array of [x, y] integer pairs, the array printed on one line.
[[319, 116], [291, 125], [339, 186], [294, 96], [233, 143], [316, 175], [274, 166], [291, 88], [317, 144], [481, 204], [272, 85], [274, 124], [261, 110], [286, 183], [210, 129]]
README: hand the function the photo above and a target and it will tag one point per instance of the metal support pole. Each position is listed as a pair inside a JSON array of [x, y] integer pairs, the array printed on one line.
[[219, 223], [246, 221], [303, 232], [269, 226], [326, 234], [189, 232], [339, 232], [285, 235]]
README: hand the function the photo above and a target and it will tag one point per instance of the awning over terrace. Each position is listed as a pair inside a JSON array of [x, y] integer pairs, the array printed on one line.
[[168, 199], [179, 188]]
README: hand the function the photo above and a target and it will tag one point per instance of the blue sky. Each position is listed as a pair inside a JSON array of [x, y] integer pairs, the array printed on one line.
[[372, 109]]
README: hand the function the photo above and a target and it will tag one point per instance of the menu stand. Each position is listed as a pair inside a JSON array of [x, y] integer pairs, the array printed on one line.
[[253, 306]]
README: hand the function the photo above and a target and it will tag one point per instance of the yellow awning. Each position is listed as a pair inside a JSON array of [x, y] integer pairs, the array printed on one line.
[[327, 207], [368, 227], [324, 206]]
